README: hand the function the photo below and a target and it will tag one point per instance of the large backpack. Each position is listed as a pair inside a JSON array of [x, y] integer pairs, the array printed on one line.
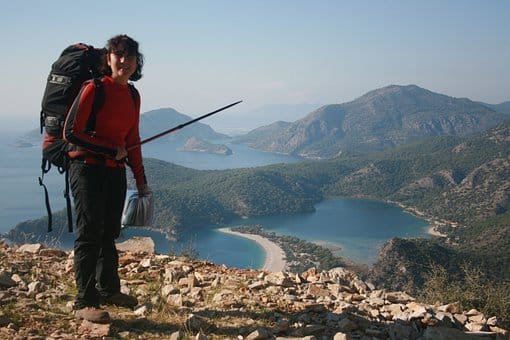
[[76, 66]]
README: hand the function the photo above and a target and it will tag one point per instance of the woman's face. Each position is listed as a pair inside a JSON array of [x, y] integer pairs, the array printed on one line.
[[122, 64]]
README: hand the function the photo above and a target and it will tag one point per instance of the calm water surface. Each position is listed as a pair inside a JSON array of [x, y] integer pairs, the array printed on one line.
[[358, 227]]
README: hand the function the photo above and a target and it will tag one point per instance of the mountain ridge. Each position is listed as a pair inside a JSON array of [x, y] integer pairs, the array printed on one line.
[[380, 119]]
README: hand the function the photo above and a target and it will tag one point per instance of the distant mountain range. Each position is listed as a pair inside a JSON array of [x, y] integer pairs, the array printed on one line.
[[383, 118], [238, 122]]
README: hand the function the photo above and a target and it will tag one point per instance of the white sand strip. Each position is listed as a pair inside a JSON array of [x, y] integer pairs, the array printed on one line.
[[433, 231], [275, 257]]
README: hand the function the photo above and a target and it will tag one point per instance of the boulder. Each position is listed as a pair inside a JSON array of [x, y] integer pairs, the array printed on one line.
[[341, 336], [398, 297], [35, 287], [279, 279], [30, 248], [137, 245], [95, 330], [446, 333], [453, 308], [260, 334]]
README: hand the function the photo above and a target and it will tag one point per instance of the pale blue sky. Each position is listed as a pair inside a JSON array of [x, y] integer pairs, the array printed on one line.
[[204, 54]]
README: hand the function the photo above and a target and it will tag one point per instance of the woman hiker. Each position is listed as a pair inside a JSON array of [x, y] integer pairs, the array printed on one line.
[[98, 177]]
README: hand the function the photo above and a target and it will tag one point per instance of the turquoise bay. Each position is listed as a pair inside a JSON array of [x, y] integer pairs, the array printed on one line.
[[358, 227]]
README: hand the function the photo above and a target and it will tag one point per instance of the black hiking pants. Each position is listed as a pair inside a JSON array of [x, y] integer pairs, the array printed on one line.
[[99, 193]]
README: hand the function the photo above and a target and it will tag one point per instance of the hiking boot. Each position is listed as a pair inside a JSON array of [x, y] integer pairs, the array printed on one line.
[[93, 314], [120, 300]]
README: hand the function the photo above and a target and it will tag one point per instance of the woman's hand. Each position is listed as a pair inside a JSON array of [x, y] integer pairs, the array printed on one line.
[[143, 189], [121, 154]]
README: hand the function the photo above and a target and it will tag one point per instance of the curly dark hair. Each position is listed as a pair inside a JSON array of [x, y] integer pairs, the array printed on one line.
[[128, 44]]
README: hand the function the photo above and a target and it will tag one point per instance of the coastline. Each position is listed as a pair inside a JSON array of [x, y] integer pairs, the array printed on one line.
[[274, 256], [435, 222]]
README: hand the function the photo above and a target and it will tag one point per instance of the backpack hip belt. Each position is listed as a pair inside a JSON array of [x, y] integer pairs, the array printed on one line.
[[100, 160]]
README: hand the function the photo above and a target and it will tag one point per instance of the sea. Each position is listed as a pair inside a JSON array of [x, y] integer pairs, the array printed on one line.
[[355, 228]]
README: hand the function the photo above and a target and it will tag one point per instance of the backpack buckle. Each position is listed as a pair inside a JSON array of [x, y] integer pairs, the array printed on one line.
[[59, 79], [53, 121]]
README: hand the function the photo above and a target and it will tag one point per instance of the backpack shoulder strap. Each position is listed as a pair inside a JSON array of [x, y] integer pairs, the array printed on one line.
[[99, 98], [135, 95]]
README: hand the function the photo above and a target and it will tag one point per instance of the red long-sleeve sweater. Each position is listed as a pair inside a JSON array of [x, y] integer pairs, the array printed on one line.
[[116, 125]]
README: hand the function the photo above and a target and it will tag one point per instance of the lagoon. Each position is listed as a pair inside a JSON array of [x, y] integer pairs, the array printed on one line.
[[358, 226]]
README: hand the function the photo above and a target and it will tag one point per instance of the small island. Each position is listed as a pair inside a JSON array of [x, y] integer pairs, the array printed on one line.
[[195, 144], [22, 144]]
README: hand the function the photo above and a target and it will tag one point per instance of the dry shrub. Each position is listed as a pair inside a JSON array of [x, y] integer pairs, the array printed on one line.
[[472, 290]]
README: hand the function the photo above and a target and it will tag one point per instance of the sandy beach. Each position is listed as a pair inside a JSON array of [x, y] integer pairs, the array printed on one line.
[[433, 231], [275, 257]]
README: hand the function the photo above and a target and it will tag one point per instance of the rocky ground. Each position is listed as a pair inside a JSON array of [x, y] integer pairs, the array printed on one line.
[[182, 298]]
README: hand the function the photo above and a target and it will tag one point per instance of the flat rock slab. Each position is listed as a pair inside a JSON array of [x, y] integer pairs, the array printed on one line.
[[137, 245]]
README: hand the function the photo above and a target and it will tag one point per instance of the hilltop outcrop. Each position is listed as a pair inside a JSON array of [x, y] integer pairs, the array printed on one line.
[[184, 298]]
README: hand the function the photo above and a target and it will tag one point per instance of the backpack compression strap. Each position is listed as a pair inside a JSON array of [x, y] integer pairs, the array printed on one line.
[[68, 200], [135, 95], [47, 201], [66, 195]]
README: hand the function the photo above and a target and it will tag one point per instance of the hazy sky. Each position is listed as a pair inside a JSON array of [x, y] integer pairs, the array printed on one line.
[[204, 54]]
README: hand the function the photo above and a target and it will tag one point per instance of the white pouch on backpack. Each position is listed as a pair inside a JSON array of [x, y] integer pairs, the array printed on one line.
[[138, 210]]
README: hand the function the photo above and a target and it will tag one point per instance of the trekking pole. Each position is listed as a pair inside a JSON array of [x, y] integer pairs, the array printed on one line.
[[178, 127]]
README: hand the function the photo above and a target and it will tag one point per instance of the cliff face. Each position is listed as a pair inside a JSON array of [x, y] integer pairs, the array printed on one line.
[[182, 298]]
